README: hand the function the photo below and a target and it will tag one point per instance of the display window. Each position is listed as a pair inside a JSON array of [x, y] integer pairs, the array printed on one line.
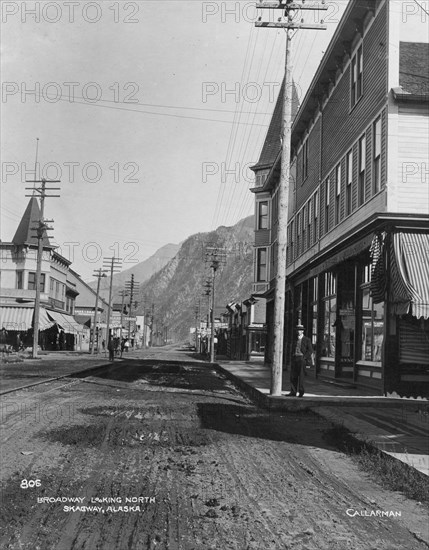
[[372, 323]]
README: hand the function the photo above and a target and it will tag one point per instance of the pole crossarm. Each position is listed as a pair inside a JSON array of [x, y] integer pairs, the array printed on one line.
[[320, 27], [291, 6]]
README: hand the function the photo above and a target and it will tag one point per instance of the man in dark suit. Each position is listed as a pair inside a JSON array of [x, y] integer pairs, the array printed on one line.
[[302, 355]]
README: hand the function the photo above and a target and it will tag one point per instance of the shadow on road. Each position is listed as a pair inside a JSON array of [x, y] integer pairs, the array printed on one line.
[[303, 428], [187, 376]]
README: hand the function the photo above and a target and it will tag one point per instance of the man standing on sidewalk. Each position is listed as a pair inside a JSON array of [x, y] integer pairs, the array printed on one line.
[[302, 355]]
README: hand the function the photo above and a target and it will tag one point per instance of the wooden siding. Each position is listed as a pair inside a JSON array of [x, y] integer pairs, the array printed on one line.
[[341, 127], [304, 188], [375, 205], [262, 237], [413, 161], [355, 183]]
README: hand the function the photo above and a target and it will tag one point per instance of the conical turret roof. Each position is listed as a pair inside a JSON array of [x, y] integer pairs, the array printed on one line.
[[26, 232]]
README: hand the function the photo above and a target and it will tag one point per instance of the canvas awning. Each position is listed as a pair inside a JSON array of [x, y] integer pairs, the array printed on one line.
[[21, 318], [409, 274], [66, 322], [16, 318], [44, 321]]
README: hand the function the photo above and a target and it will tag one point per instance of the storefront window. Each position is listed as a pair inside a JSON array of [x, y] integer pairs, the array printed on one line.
[[314, 289], [329, 315], [372, 327]]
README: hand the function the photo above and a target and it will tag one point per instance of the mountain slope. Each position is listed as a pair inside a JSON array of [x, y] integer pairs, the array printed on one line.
[[178, 287], [141, 271]]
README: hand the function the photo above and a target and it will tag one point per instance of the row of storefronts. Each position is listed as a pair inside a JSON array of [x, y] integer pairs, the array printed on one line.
[[366, 313]]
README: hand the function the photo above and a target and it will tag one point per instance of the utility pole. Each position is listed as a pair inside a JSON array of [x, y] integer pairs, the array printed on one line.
[[151, 325], [41, 231], [144, 322], [123, 293], [114, 265], [291, 13], [130, 287], [215, 256], [99, 273], [197, 314]]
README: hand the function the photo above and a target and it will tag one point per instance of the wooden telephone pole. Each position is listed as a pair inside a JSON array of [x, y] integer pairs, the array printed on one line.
[[114, 265], [216, 257], [41, 229], [99, 273], [130, 287], [288, 22]]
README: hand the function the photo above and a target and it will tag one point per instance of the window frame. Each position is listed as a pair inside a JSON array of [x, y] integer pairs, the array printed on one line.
[[32, 281], [376, 155], [349, 182], [361, 169], [356, 76], [263, 217], [305, 160], [338, 175], [327, 200], [19, 280], [260, 264], [316, 213]]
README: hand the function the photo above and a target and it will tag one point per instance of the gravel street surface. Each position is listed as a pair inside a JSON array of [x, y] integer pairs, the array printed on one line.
[[160, 452]]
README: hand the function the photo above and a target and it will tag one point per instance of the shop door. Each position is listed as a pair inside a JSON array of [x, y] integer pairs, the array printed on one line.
[[346, 322]]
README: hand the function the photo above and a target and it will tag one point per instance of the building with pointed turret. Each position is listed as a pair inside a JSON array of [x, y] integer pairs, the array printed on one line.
[[59, 288]]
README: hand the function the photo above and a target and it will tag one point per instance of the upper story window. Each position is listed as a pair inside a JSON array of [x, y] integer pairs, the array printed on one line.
[[305, 160], [260, 179], [327, 192], [361, 170], [356, 90], [20, 279], [315, 213], [338, 194], [263, 215], [261, 264], [309, 220], [291, 240], [349, 181], [304, 227], [377, 155], [32, 281]]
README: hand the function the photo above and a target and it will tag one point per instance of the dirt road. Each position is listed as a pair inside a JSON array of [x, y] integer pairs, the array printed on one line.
[[158, 454]]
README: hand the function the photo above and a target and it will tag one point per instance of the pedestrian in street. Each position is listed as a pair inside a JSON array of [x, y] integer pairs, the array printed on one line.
[[111, 348], [127, 344], [122, 346], [302, 355]]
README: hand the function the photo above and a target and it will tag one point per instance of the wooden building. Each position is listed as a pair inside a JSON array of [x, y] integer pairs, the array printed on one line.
[[58, 328], [358, 227]]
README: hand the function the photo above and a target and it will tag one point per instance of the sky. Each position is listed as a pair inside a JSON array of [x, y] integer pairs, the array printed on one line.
[[149, 113]]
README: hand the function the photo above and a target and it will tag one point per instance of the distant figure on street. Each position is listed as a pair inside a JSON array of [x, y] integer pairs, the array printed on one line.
[[117, 346], [122, 346], [302, 355], [103, 345], [111, 348], [127, 344]]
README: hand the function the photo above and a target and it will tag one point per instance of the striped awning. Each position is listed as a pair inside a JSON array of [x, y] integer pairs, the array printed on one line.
[[44, 321], [21, 318], [66, 322], [16, 318], [409, 274]]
